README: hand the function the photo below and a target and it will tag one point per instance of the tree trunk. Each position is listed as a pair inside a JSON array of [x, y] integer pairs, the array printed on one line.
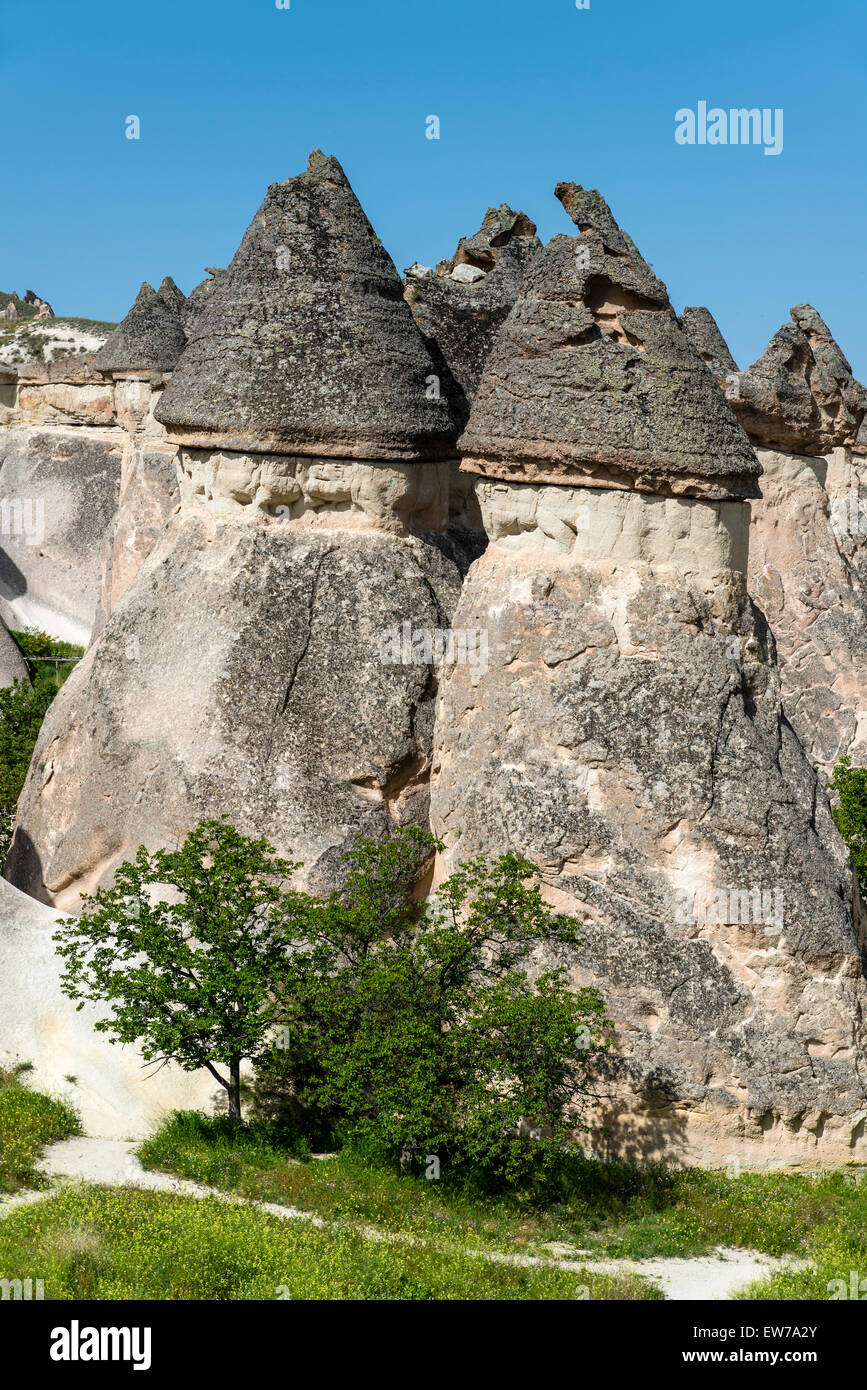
[[235, 1089]]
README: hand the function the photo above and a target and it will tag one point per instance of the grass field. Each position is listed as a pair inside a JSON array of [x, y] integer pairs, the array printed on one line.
[[28, 1121], [100, 1243], [609, 1209]]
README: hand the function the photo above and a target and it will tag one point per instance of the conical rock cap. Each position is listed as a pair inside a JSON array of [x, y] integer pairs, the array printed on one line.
[[593, 380], [305, 345], [800, 396], [150, 338]]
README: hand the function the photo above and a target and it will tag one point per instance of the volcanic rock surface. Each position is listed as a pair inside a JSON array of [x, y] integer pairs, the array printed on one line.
[[628, 733], [242, 671]]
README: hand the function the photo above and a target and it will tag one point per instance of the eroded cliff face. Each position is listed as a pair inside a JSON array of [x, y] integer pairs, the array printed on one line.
[[241, 674], [148, 488], [60, 465], [628, 733], [86, 471], [804, 577]]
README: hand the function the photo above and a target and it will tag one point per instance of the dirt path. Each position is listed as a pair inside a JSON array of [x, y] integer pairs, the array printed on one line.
[[112, 1162]]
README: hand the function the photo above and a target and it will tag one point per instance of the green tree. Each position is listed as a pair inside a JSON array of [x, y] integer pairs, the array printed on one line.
[[428, 1026], [186, 948], [850, 813]]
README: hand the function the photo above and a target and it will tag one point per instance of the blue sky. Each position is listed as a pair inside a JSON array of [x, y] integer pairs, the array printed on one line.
[[233, 94]]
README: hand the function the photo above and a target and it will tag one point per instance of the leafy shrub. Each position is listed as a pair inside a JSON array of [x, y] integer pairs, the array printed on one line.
[[426, 1027], [850, 813], [193, 980], [22, 709]]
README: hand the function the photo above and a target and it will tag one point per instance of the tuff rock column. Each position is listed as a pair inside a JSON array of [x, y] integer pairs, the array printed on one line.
[[138, 359], [60, 458], [802, 410], [242, 671], [460, 309], [627, 734]]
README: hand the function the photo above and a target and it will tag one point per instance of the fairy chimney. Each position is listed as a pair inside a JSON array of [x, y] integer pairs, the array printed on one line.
[[250, 667], [803, 409], [625, 730]]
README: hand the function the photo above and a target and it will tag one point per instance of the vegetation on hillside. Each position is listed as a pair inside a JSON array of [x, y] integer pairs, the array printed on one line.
[[598, 1208], [28, 338]]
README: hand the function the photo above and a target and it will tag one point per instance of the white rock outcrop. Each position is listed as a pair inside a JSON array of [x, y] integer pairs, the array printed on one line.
[[117, 1095]]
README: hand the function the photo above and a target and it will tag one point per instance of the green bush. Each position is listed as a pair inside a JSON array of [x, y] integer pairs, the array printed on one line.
[[195, 980], [422, 1028], [22, 709], [417, 1027], [49, 661], [850, 813]]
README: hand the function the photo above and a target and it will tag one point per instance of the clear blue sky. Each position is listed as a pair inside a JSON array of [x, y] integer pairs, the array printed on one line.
[[233, 94]]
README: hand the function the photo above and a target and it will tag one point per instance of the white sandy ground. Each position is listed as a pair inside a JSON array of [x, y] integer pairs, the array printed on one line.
[[112, 1162]]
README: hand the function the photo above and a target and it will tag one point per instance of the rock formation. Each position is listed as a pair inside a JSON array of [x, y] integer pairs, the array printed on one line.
[[86, 478], [802, 409], [628, 734], [196, 301], [116, 1093], [60, 457], [150, 338], [29, 306], [138, 358], [460, 318], [701, 329], [244, 670], [460, 309]]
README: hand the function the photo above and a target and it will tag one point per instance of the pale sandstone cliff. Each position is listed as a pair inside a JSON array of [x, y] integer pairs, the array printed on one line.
[[87, 468]]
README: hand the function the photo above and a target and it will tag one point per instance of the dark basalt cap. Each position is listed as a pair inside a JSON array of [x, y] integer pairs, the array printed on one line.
[[175, 298], [460, 321], [306, 345], [702, 330], [592, 380], [198, 297], [150, 338], [800, 396]]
